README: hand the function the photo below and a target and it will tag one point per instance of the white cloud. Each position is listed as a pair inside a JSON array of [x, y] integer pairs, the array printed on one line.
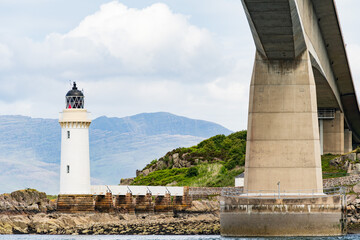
[[229, 87], [129, 60], [5, 57], [144, 39], [121, 40]]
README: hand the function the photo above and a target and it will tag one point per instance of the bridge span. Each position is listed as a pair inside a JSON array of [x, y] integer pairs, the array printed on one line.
[[302, 96], [302, 104]]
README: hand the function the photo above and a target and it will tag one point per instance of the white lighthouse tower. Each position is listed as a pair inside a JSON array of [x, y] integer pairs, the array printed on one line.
[[75, 161]]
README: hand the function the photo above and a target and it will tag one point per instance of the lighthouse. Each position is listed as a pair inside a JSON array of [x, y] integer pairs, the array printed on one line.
[[75, 159]]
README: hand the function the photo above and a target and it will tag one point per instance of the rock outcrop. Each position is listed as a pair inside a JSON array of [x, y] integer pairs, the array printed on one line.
[[349, 162], [174, 159], [26, 201]]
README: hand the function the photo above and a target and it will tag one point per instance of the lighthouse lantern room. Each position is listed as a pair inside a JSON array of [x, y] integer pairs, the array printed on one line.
[[75, 161]]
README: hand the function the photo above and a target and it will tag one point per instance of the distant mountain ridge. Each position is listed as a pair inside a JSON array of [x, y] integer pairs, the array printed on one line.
[[159, 123], [30, 147]]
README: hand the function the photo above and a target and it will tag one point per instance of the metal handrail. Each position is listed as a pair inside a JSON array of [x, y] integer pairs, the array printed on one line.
[[326, 113], [303, 193], [109, 190]]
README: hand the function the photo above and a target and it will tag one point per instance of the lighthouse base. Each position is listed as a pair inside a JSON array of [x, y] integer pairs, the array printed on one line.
[[75, 203], [308, 216]]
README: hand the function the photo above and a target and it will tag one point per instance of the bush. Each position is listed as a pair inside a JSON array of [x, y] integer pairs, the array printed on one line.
[[223, 170], [192, 172]]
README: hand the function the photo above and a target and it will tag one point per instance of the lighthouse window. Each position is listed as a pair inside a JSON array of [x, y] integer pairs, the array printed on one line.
[[67, 168], [68, 134]]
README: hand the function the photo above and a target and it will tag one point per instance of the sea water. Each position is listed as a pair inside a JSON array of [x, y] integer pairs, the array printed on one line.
[[159, 237]]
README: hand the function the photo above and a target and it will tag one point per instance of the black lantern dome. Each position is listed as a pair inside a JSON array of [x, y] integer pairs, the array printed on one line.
[[74, 98]]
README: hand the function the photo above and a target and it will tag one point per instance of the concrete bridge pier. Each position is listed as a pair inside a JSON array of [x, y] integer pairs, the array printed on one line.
[[333, 134], [348, 147], [283, 190], [300, 66], [283, 136]]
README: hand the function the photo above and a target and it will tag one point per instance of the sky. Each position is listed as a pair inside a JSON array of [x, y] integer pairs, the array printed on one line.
[[190, 58]]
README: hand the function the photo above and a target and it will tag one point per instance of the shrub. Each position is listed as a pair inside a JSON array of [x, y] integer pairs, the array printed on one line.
[[192, 172]]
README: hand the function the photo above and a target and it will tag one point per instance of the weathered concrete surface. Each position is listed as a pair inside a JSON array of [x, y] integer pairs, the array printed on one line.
[[317, 216], [347, 141], [283, 136], [333, 133]]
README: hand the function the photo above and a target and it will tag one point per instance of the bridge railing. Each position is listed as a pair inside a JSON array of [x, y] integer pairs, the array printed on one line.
[[326, 113], [303, 193]]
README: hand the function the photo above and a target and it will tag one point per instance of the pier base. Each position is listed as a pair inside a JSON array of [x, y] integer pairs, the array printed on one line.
[[310, 216]]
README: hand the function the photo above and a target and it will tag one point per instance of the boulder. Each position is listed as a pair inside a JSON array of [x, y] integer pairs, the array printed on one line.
[[28, 200], [357, 167], [146, 172], [356, 188], [126, 181], [350, 198], [161, 165]]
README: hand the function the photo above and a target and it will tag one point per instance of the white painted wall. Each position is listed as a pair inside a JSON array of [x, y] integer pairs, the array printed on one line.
[[75, 154], [239, 182], [136, 190]]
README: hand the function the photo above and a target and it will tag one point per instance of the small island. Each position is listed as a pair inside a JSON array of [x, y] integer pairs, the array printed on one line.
[[205, 172]]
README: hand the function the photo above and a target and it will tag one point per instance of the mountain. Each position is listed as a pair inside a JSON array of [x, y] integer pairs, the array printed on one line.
[[151, 124], [30, 147]]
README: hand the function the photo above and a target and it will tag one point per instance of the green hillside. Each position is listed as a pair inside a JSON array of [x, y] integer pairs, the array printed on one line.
[[213, 163]]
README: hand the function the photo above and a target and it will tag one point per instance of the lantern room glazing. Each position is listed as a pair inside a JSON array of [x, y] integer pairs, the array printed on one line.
[[74, 98]]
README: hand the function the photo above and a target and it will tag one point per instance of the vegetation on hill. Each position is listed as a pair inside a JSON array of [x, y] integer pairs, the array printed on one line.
[[212, 163], [329, 170]]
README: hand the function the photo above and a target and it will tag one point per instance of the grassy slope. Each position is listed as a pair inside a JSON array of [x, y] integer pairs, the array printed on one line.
[[223, 158], [328, 170]]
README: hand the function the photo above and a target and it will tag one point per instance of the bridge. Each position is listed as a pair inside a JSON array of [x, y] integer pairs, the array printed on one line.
[[302, 104], [302, 96]]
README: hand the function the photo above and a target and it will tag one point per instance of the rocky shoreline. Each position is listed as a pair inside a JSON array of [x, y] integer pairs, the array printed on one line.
[[110, 224], [30, 212]]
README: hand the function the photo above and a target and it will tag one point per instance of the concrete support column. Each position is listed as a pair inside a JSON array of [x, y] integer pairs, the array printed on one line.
[[334, 134], [321, 135], [283, 144], [347, 141]]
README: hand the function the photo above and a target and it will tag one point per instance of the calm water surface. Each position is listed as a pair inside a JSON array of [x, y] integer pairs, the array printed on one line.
[[157, 237]]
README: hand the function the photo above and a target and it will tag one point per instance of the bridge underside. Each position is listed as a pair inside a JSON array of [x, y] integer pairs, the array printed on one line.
[[283, 29]]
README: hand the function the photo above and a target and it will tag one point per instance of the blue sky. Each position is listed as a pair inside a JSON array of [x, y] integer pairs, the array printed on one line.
[[191, 58]]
